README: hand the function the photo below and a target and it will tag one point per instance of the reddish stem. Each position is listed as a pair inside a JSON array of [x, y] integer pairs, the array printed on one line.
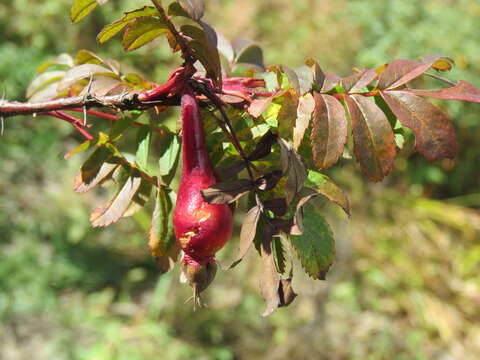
[[99, 114], [77, 123], [114, 118]]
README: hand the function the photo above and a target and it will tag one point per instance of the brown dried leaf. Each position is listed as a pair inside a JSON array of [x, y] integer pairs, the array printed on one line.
[[269, 278], [94, 169], [247, 233], [82, 185], [116, 207], [463, 91], [278, 206], [264, 146], [434, 131], [286, 293], [227, 192], [293, 167], [373, 138], [329, 133], [331, 80], [268, 181], [230, 171], [140, 199]]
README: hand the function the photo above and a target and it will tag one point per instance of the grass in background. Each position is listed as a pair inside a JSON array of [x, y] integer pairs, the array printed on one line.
[[405, 282]]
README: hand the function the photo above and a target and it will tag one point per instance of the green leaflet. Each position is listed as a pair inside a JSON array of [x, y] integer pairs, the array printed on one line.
[[315, 247], [144, 135], [161, 237]]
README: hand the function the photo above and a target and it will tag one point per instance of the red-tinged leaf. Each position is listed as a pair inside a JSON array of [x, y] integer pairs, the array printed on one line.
[[288, 114], [323, 185], [305, 79], [331, 80], [463, 91], [433, 130], [373, 138], [113, 29], [400, 72], [329, 133], [227, 192], [292, 78], [358, 81], [315, 247], [440, 63], [247, 233], [306, 106], [116, 207], [258, 106], [318, 74], [293, 168], [142, 31]]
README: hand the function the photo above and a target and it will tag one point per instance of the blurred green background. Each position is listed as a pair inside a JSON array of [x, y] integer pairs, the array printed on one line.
[[405, 283]]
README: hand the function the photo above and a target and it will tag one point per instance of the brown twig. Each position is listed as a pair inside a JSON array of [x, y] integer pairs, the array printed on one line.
[[118, 102]]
